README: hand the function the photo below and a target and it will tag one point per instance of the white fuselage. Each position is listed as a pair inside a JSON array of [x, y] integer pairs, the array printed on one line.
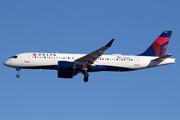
[[114, 62]]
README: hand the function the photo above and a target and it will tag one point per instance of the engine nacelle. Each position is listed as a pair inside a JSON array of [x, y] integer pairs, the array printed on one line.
[[65, 66], [65, 69]]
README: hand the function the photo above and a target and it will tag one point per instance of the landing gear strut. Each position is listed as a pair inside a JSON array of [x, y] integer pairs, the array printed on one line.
[[18, 69], [86, 75]]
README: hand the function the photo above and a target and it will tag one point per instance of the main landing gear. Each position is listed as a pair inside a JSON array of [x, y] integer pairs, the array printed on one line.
[[86, 75], [18, 69]]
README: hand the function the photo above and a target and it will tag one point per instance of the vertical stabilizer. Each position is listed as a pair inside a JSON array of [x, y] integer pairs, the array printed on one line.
[[159, 46]]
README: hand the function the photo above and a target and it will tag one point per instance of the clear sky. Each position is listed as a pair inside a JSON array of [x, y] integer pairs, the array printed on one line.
[[81, 26]]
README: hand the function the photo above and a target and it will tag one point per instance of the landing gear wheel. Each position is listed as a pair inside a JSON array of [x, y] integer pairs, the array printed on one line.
[[17, 75], [85, 79], [86, 75]]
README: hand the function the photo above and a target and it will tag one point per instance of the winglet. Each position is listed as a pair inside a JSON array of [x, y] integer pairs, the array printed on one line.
[[110, 43]]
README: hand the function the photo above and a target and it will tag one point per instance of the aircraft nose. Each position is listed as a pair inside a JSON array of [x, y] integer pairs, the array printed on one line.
[[7, 63]]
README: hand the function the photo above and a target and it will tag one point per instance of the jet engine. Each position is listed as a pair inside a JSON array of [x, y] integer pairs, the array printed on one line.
[[65, 69]]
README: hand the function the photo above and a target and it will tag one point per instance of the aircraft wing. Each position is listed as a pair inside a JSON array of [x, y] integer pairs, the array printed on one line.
[[91, 57]]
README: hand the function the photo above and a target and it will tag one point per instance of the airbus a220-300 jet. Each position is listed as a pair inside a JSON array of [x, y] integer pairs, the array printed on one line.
[[69, 65]]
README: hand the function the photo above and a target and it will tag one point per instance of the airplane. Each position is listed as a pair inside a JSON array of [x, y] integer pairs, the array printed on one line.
[[69, 65]]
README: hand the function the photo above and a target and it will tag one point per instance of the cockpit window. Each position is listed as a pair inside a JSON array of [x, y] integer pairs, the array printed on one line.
[[14, 56]]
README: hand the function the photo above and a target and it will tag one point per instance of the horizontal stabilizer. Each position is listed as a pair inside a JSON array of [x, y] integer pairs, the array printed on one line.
[[163, 57]]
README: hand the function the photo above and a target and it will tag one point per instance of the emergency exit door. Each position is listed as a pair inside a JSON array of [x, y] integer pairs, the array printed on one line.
[[136, 61]]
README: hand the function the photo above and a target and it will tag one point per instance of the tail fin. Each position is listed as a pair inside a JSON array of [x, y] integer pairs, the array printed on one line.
[[159, 46]]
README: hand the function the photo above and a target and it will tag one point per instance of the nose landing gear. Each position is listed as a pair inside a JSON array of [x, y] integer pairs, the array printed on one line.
[[18, 69]]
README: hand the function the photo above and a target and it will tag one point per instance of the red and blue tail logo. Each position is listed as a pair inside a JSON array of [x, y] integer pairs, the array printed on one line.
[[159, 46]]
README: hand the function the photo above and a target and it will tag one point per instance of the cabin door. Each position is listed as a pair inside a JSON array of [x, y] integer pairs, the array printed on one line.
[[26, 57]]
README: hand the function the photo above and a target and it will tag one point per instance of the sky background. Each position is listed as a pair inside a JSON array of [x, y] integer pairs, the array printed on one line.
[[79, 26]]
